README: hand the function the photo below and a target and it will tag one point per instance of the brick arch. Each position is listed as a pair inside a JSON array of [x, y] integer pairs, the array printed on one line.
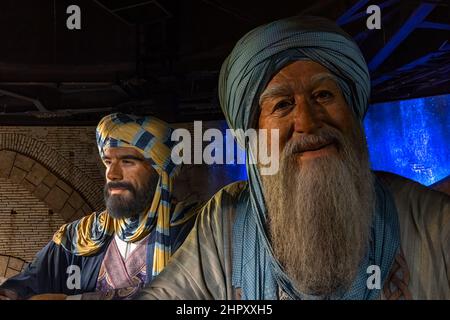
[[60, 196], [49, 176], [10, 266]]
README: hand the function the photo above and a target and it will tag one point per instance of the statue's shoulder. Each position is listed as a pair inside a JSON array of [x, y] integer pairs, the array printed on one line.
[[401, 187], [223, 203], [69, 229], [417, 205], [234, 189], [231, 195]]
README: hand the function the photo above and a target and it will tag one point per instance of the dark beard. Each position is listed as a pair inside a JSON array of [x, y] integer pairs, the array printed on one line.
[[320, 214], [119, 206]]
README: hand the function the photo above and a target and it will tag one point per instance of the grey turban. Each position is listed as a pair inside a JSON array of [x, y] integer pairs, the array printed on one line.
[[262, 52]]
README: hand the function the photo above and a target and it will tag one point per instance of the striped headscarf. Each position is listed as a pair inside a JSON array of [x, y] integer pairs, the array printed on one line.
[[245, 73], [152, 138]]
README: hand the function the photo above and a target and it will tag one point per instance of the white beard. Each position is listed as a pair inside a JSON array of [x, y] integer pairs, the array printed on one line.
[[320, 214]]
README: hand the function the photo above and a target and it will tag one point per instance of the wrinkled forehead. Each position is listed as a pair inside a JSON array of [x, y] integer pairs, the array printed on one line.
[[302, 68], [286, 83], [303, 80]]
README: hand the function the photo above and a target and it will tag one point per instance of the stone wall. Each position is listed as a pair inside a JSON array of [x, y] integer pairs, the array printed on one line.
[[26, 222], [75, 146], [68, 153], [60, 196], [48, 176], [10, 266]]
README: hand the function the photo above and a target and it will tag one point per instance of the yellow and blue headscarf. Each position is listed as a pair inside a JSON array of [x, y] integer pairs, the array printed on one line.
[[152, 138]]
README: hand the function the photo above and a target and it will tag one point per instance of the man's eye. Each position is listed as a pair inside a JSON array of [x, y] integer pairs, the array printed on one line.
[[128, 162], [284, 104], [107, 162], [323, 96]]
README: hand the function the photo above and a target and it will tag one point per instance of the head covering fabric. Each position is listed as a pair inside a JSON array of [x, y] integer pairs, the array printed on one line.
[[255, 59], [152, 138], [264, 51]]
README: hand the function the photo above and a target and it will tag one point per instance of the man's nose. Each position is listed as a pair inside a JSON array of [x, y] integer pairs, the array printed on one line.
[[114, 172], [306, 117]]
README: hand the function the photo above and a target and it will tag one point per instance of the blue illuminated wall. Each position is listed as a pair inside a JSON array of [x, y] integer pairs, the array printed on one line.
[[411, 138], [223, 174]]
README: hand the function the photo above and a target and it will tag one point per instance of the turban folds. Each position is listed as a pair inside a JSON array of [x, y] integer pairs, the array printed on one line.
[[264, 51], [152, 138]]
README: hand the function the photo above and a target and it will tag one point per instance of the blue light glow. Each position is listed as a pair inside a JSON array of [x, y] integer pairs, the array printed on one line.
[[411, 138], [223, 174]]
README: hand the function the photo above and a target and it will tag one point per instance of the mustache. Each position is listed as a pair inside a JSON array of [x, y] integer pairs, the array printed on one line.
[[313, 141], [119, 184]]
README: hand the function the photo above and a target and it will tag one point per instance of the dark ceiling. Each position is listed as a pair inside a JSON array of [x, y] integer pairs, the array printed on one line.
[[163, 57]]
